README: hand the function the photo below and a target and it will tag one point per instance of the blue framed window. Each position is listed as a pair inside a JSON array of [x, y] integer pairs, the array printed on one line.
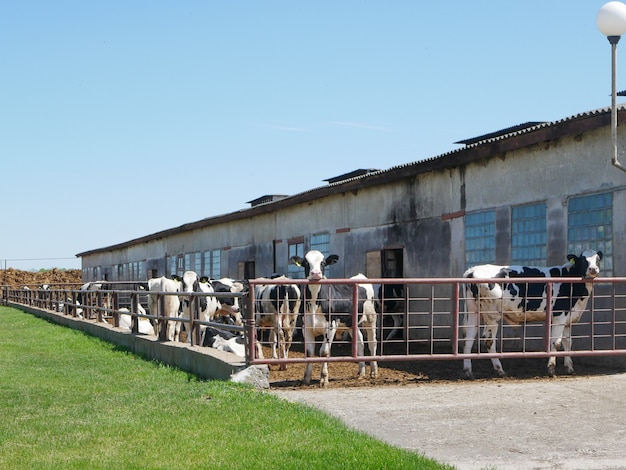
[[197, 263], [590, 226], [295, 248], [480, 238], [212, 263], [529, 235]]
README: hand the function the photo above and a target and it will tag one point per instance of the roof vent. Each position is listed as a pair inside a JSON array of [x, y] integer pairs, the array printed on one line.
[[265, 199], [352, 174]]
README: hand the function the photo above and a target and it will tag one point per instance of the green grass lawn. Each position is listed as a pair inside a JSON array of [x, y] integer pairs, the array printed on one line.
[[68, 400]]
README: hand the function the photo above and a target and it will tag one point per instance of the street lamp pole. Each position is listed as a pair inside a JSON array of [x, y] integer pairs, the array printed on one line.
[[611, 22]]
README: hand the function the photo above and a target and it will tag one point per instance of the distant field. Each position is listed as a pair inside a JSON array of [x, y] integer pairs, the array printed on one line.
[[68, 400]]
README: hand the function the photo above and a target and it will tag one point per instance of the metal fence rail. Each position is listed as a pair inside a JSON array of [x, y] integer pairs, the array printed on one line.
[[433, 329], [432, 320]]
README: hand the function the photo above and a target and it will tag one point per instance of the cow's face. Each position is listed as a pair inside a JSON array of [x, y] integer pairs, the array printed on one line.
[[587, 264], [229, 306], [314, 263], [190, 282]]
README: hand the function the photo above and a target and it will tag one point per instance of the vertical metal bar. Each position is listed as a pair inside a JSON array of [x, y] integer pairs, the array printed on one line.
[[548, 339], [134, 308], [455, 317], [355, 318], [250, 327]]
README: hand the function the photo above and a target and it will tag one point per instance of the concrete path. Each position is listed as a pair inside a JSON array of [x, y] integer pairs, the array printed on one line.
[[562, 423]]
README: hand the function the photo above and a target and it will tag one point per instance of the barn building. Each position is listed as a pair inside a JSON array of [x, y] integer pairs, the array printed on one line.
[[528, 194]]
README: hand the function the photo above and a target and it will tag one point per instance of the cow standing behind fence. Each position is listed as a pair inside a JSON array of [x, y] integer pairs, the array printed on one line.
[[520, 302]]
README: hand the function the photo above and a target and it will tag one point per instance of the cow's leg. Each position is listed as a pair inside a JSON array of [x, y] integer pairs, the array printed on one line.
[[372, 344], [556, 341], [331, 331], [398, 323], [171, 330], [289, 327], [566, 341], [491, 334], [274, 343], [360, 350], [470, 331], [309, 341]]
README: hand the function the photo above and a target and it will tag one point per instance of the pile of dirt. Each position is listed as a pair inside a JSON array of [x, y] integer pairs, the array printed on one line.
[[17, 278]]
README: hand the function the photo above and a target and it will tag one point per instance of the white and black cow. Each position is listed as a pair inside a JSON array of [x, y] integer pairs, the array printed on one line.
[[88, 297], [171, 303], [392, 300], [211, 308], [223, 340], [144, 326], [190, 283], [277, 308], [520, 302], [329, 309], [228, 306]]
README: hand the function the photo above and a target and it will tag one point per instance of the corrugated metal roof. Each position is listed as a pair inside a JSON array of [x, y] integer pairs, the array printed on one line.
[[499, 133], [492, 145], [350, 175]]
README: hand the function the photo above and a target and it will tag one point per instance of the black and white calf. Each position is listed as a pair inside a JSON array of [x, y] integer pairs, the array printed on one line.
[[520, 302], [329, 309], [277, 308]]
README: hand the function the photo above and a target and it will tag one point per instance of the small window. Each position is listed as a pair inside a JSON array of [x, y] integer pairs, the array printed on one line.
[[528, 235], [212, 264], [590, 227], [480, 238], [295, 248]]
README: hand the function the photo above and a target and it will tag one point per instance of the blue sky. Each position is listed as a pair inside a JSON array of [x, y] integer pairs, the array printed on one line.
[[124, 118]]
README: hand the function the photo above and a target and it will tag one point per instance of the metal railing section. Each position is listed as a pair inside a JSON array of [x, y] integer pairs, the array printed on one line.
[[431, 319]]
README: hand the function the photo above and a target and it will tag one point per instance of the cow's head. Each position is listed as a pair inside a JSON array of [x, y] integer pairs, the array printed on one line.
[[314, 263], [587, 264], [190, 281], [229, 306]]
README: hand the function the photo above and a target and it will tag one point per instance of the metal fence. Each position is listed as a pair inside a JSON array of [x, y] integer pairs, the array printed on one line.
[[432, 320]]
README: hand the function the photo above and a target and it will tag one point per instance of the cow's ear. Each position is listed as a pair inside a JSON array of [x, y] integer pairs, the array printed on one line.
[[204, 279], [332, 259], [572, 258], [599, 253], [176, 278], [296, 260]]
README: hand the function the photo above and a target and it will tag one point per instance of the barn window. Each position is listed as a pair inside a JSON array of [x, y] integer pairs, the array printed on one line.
[[212, 262], [197, 262], [480, 238], [295, 248], [180, 265], [590, 226], [528, 235]]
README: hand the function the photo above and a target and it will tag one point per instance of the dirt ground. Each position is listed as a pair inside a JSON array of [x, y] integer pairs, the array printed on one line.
[[18, 278], [399, 373]]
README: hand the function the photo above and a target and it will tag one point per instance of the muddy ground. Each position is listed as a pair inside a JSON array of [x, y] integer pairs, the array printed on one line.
[[399, 373], [18, 278]]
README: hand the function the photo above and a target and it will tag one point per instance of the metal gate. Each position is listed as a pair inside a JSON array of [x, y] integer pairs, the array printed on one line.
[[432, 326]]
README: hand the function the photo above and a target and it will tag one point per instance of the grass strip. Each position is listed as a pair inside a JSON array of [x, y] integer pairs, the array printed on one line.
[[68, 400]]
